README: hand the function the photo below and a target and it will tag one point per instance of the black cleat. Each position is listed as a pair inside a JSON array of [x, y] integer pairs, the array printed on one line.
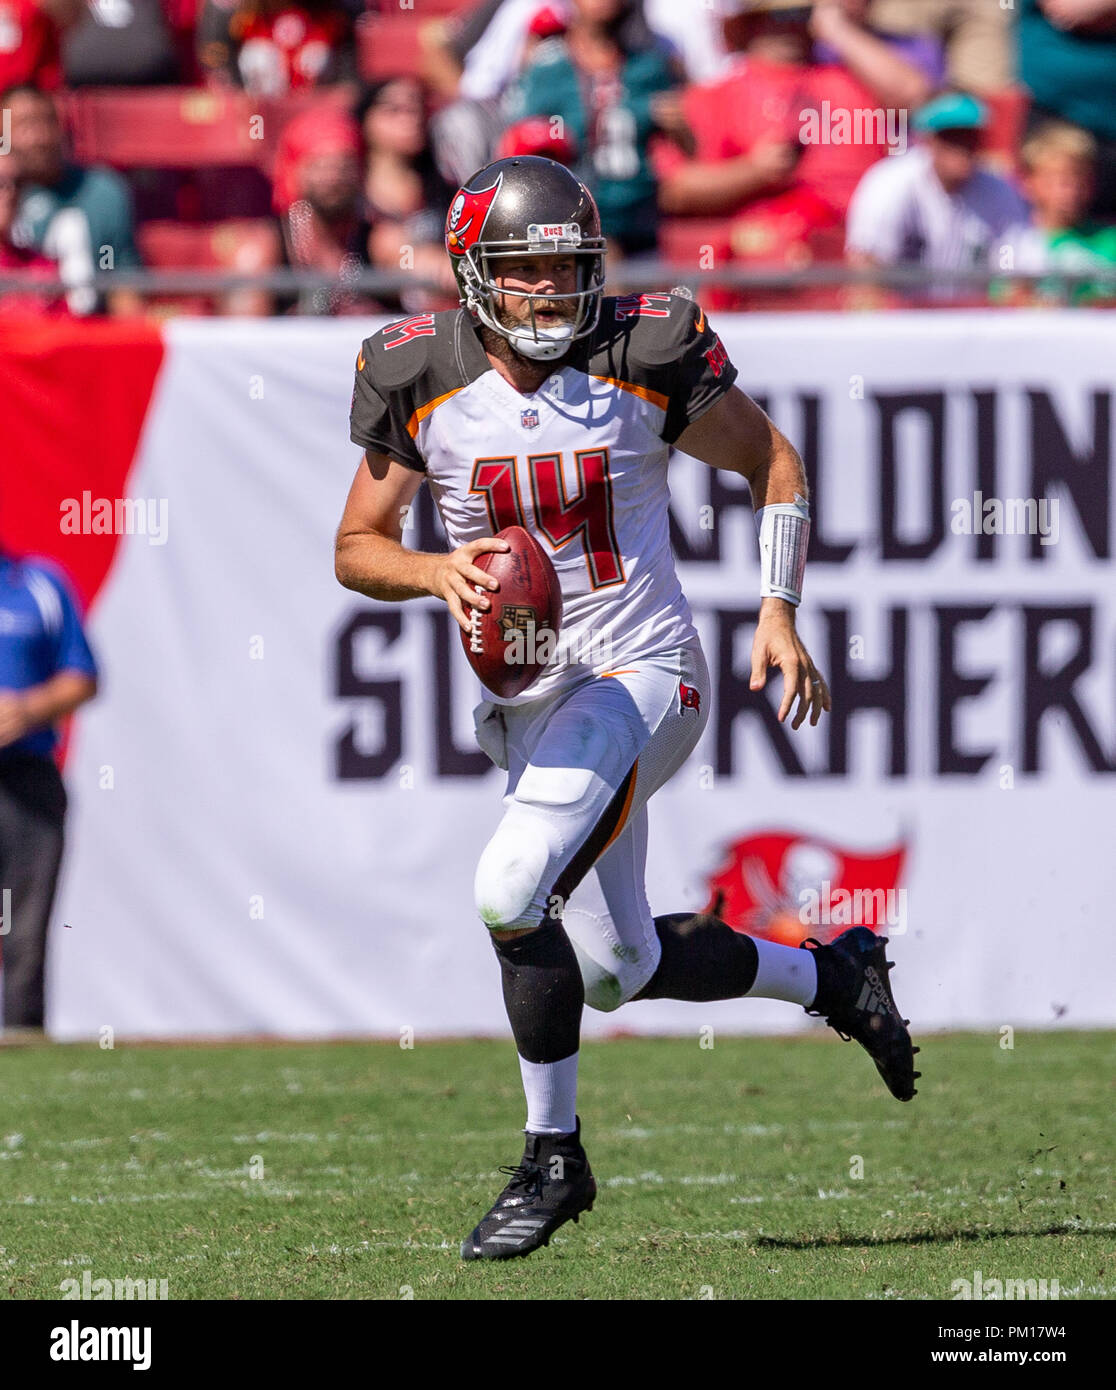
[[854, 997], [550, 1186]]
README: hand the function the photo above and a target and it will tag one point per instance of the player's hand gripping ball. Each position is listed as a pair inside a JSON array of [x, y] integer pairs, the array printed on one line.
[[510, 643]]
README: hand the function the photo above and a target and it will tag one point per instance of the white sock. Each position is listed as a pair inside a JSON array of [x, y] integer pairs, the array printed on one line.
[[551, 1091], [784, 972]]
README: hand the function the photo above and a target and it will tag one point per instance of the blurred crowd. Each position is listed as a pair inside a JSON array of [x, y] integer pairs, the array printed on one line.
[[954, 137]]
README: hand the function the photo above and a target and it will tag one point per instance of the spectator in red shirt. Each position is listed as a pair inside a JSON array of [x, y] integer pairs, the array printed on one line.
[[30, 31], [270, 47], [784, 134]]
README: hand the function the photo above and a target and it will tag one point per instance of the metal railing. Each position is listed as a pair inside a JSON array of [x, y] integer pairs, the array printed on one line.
[[927, 286]]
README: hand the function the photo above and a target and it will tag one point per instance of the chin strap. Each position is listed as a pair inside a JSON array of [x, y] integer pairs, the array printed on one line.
[[549, 343]]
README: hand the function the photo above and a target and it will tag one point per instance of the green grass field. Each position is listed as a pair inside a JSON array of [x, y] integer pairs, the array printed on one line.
[[724, 1173]]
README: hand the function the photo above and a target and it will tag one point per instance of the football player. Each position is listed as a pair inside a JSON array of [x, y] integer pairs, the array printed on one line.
[[542, 404]]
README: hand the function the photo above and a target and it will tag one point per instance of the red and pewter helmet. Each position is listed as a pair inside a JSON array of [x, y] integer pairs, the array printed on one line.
[[521, 206]]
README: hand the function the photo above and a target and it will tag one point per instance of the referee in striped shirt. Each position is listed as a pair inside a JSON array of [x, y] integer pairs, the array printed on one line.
[[46, 672]]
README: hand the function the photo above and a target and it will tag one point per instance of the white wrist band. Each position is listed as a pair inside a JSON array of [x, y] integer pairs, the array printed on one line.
[[784, 534]]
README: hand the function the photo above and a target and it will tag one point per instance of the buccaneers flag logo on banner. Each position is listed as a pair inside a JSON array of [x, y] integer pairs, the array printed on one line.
[[787, 887], [467, 216]]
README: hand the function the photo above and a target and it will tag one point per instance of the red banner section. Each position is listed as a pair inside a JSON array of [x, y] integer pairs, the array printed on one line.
[[76, 396]]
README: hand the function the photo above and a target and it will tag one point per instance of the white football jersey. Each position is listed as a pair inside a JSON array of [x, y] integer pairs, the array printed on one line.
[[581, 463]]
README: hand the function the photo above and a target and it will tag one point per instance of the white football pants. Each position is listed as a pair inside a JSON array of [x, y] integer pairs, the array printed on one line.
[[572, 842]]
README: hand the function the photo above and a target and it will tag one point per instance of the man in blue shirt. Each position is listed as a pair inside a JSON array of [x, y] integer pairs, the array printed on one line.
[[46, 672]]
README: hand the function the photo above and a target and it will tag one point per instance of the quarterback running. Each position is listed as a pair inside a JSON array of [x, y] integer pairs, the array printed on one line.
[[540, 403]]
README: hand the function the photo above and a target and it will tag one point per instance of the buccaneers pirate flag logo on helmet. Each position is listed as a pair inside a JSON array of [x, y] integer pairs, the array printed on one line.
[[467, 216]]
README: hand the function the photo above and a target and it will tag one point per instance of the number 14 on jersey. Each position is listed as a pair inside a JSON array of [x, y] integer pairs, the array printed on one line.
[[559, 516]]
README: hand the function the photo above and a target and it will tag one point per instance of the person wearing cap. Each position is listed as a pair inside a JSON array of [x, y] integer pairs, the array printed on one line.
[[935, 206], [316, 193], [46, 672]]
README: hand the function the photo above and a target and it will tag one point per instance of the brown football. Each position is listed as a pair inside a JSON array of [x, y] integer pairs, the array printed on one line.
[[509, 644]]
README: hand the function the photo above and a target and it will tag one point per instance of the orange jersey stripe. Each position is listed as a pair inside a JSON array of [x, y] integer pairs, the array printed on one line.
[[424, 410], [655, 397], [626, 809]]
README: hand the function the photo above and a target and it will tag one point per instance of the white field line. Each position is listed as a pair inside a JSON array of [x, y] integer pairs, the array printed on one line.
[[612, 1135], [615, 1134], [264, 1190]]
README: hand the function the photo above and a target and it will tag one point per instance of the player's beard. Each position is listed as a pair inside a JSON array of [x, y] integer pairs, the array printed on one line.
[[520, 317], [500, 347]]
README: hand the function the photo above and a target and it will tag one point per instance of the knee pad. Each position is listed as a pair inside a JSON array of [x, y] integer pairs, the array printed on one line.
[[603, 990], [511, 874], [611, 972]]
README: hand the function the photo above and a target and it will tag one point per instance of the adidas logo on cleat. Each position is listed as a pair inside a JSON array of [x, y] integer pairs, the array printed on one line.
[[514, 1231], [873, 998]]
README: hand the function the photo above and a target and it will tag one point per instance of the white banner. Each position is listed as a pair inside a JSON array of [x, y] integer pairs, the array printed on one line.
[[277, 804]]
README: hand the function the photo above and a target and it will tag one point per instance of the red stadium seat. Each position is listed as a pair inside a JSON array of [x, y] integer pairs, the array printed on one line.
[[698, 243], [705, 243], [388, 45], [250, 244], [181, 127]]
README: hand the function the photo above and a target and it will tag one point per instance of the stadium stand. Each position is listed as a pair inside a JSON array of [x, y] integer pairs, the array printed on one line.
[[200, 156]]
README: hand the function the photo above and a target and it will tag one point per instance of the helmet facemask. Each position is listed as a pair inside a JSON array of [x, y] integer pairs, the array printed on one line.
[[476, 273]]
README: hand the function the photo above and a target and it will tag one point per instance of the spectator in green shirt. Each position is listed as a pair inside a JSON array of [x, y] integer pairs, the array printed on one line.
[[80, 217], [604, 79], [1058, 164]]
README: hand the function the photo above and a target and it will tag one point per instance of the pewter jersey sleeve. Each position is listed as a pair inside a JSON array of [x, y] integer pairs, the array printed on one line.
[[378, 412]]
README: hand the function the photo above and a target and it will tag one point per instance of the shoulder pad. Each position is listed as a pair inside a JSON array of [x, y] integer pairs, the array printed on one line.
[[401, 352], [657, 326]]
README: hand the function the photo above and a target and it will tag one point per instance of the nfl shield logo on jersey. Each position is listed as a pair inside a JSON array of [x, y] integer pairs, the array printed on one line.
[[529, 419]]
